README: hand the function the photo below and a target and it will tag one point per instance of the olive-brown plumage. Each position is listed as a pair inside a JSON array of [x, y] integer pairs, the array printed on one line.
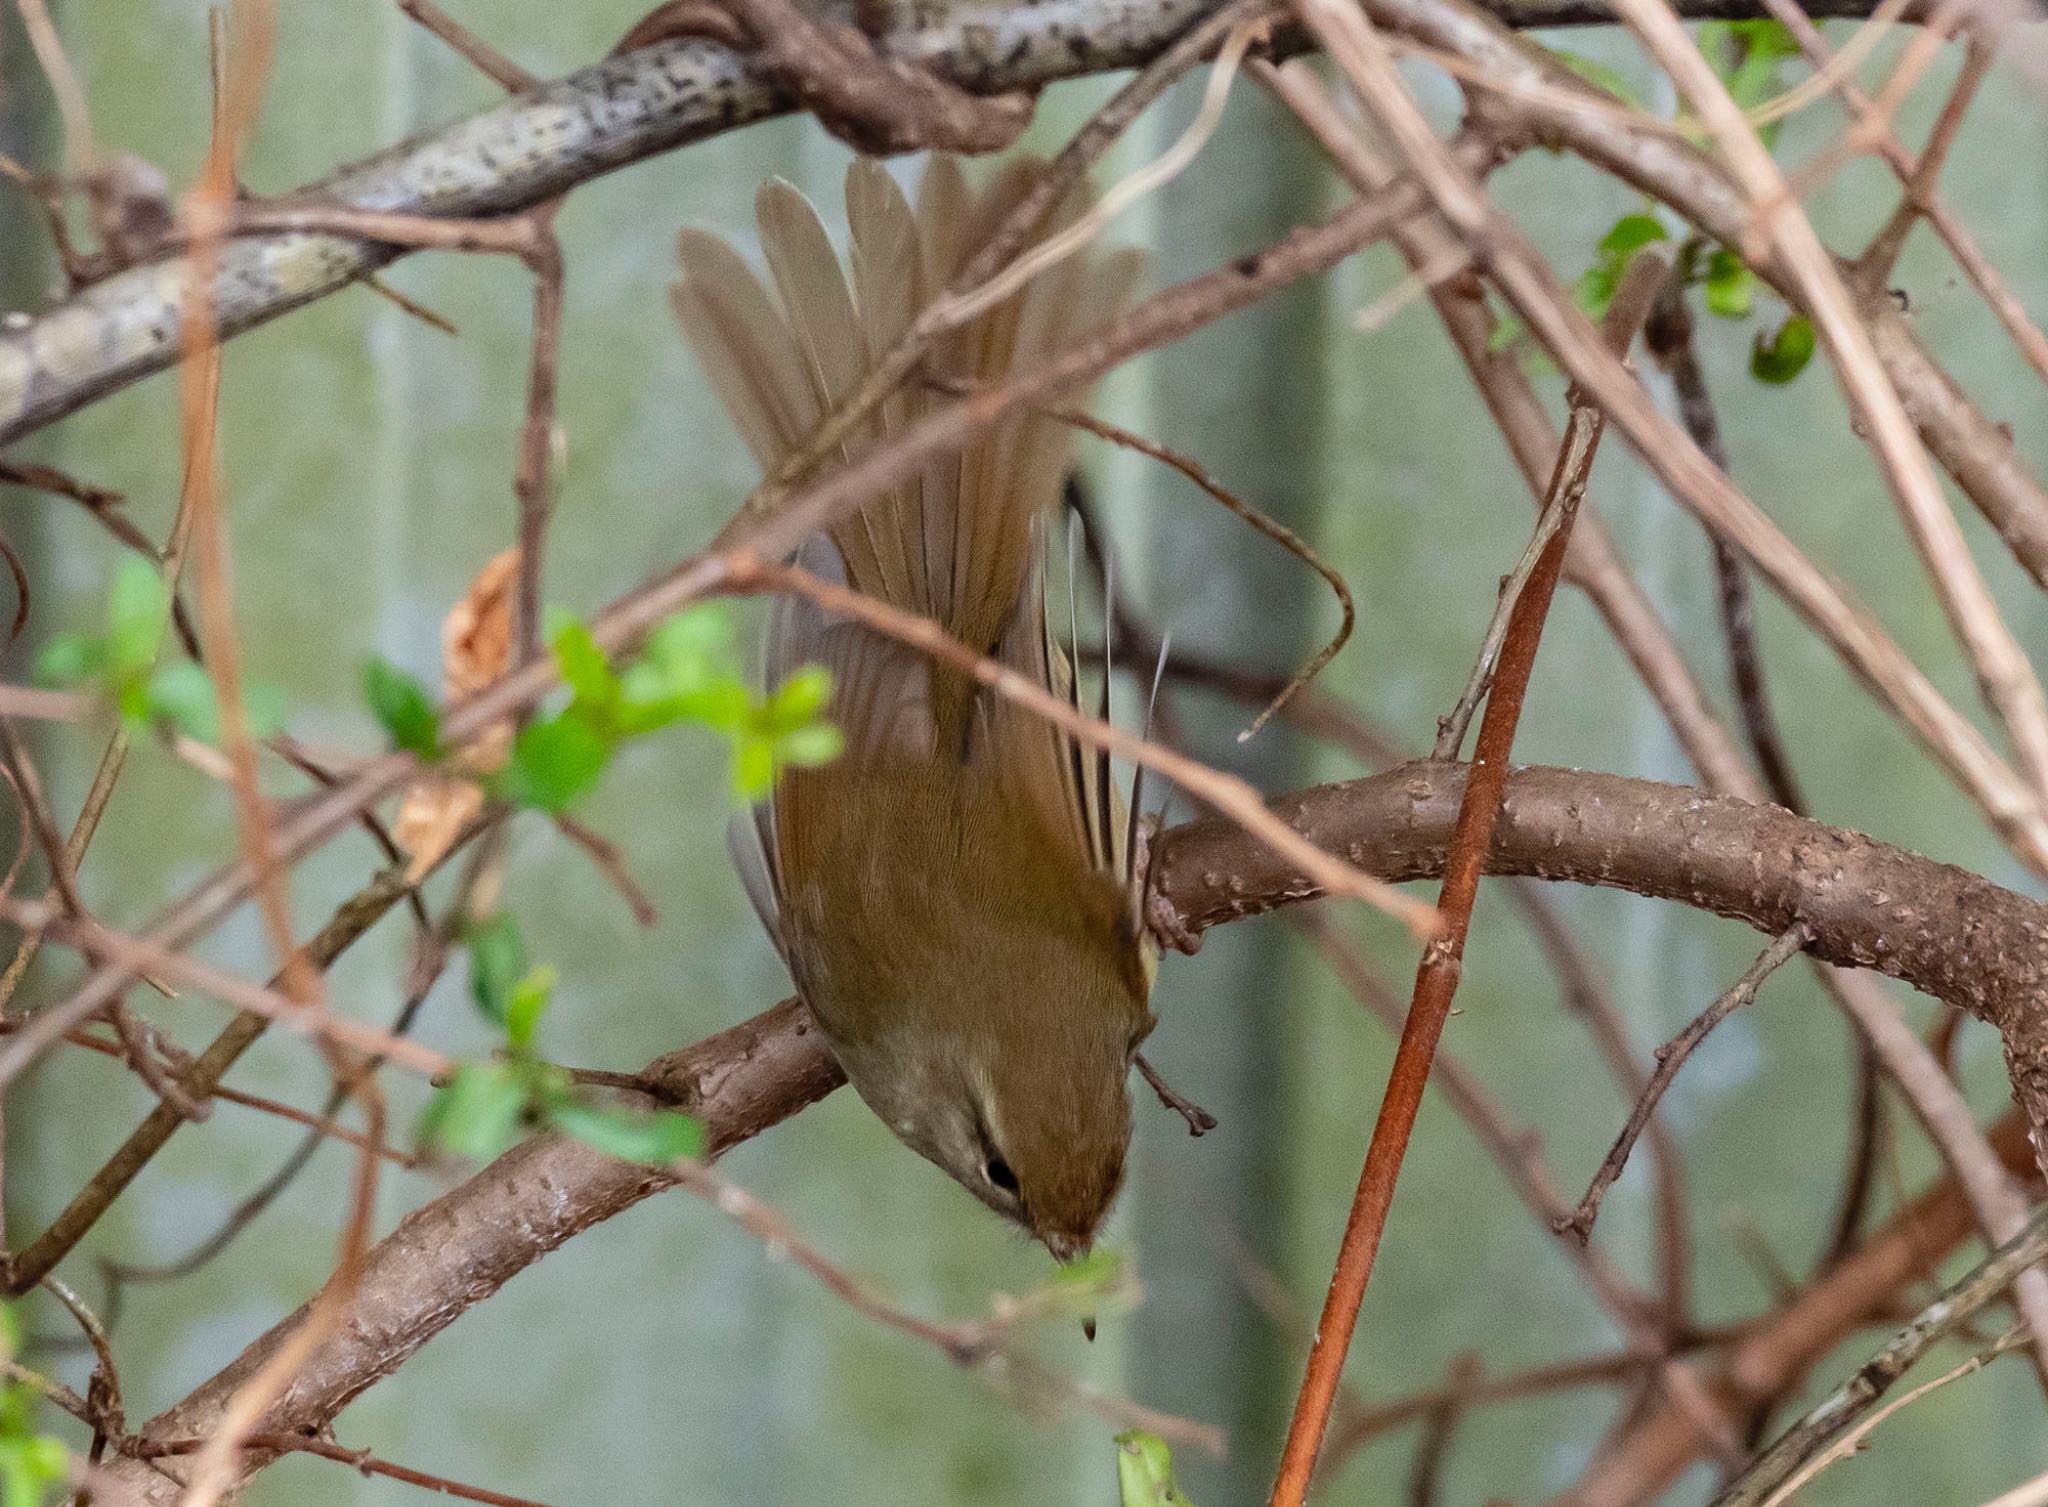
[[953, 896]]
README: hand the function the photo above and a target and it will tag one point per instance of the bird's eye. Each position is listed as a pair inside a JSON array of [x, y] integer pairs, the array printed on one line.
[[998, 1172]]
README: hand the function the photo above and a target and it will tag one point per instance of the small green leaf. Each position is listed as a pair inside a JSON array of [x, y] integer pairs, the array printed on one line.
[[1778, 358], [530, 999], [1504, 335], [1144, 1472], [67, 660], [692, 644], [497, 964], [29, 1466], [1596, 286], [800, 697], [1594, 290], [402, 708], [181, 694], [137, 609], [1731, 286], [1631, 233], [477, 1113], [656, 1139], [555, 763], [582, 663], [1096, 1271], [649, 700], [808, 747], [753, 768]]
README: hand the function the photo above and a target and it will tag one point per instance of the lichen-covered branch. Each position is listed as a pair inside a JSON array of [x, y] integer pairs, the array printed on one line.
[[541, 143]]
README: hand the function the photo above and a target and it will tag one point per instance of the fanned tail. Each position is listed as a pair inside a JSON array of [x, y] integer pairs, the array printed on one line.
[[962, 542]]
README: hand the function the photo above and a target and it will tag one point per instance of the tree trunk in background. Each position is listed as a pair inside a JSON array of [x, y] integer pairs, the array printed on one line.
[[1245, 398]]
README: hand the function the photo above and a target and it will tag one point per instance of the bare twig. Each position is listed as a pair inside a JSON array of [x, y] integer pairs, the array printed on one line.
[[1670, 1058], [1200, 1121], [361, 1459], [1278, 532], [1839, 1412], [976, 1345]]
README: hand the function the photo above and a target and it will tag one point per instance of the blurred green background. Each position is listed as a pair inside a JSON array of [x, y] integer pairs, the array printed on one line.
[[661, 1358]]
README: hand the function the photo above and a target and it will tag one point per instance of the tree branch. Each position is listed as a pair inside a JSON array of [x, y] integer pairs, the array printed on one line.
[[1661, 840], [539, 144]]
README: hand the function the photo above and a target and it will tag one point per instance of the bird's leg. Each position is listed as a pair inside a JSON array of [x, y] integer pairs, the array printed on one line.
[[1157, 914], [877, 105]]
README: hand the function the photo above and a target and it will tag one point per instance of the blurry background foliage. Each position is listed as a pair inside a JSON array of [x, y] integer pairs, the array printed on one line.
[[660, 1358]]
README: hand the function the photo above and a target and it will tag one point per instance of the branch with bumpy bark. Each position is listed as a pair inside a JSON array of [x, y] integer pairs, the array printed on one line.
[[1868, 904], [545, 141]]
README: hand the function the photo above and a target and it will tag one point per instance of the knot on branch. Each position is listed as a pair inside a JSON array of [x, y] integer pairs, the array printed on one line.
[[878, 105]]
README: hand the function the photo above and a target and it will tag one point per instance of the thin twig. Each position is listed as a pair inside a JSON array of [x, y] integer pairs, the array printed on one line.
[[982, 1346], [1670, 1058], [1272, 528], [1832, 1418], [327, 1449], [1200, 1121]]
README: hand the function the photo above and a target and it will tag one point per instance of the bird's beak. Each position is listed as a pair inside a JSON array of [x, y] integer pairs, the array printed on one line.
[[1065, 1247]]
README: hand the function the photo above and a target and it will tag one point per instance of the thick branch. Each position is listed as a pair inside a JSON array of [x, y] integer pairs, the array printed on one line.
[[1944, 930], [542, 143], [1661, 840]]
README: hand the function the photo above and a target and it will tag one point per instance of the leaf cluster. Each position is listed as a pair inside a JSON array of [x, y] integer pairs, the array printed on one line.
[[485, 1106], [687, 672], [120, 661]]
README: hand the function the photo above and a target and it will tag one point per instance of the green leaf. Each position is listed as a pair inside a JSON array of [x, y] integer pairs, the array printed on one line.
[[28, 1468], [656, 1139], [477, 1113], [67, 660], [402, 708], [137, 609], [693, 644], [181, 694], [1600, 75], [1594, 290], [530, 999], [497, 965], [1596, 286], [582, 663], [648, 700], [808, 747], [1778, 358], [1504, 335], [1144, 1472], [1731, 286], [555, 763], [1097, 1271], [1630, 234], [753, 768], [800, 697]]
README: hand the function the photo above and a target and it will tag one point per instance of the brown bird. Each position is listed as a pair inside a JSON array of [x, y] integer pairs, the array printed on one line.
[[954, 896]]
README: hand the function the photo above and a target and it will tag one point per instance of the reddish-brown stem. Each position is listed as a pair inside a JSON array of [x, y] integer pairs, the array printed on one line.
[[1436, 978], [1436, 981]]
